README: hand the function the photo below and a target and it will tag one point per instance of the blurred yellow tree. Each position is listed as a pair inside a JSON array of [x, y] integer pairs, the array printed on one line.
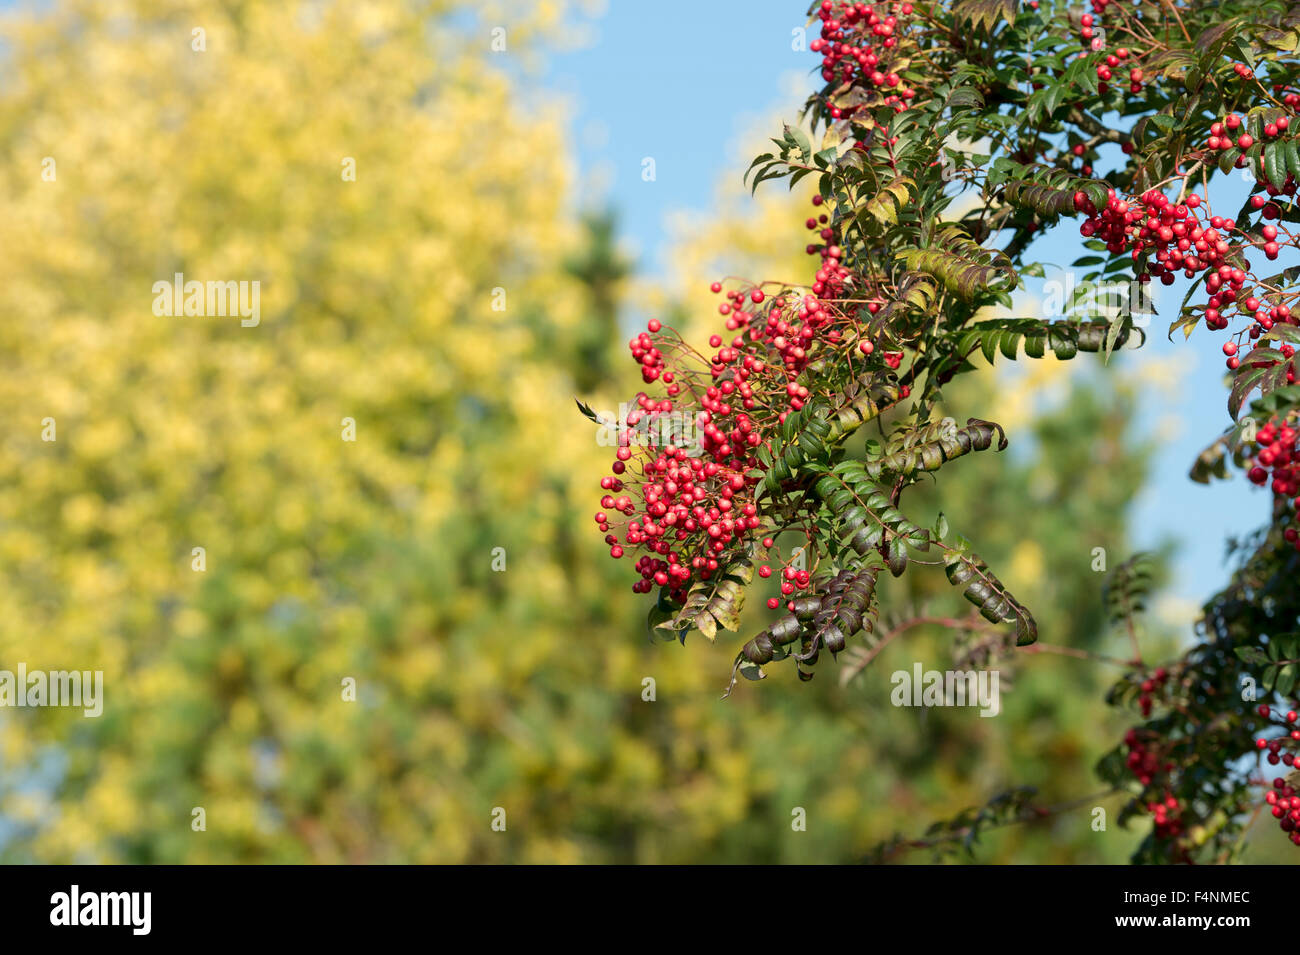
[[370, 167]]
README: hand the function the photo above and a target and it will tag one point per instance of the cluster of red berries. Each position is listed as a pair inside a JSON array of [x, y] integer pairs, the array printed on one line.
[[1153, 684], [1269, 209], [1114, 61], [687, 508], [1094, 42], [1167, 236], [1277, 464], [1144, 761], [651, 359], [786, 336], [694, 508], [855, 43], [1167, 817], [1087, 33], [1147, 764], [1264, 314], [1225, 135], [1274, 746], [1283, 799], [691, 509], [1284, 802], [792, 579]]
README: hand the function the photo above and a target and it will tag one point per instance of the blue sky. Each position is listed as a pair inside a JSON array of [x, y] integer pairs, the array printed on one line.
[[675, 80]]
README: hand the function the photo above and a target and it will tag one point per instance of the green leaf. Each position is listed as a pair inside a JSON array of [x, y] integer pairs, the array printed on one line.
[[1293, 158], [1211, 462], [984, 14], [656, 617], [752, 671], [962, 265], [1286, 679], [896, 560], [1275, 401], [758, 160], [1248, 377], [886, 205], [717, 601], [589, 414], [1275, 163], [795, 134], [982, 588], [1251, 655]]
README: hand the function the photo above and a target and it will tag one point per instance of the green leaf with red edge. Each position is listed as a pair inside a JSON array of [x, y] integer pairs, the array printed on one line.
[[1280, 399], [1247, 379], [1261, 353], [1228, 159]]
